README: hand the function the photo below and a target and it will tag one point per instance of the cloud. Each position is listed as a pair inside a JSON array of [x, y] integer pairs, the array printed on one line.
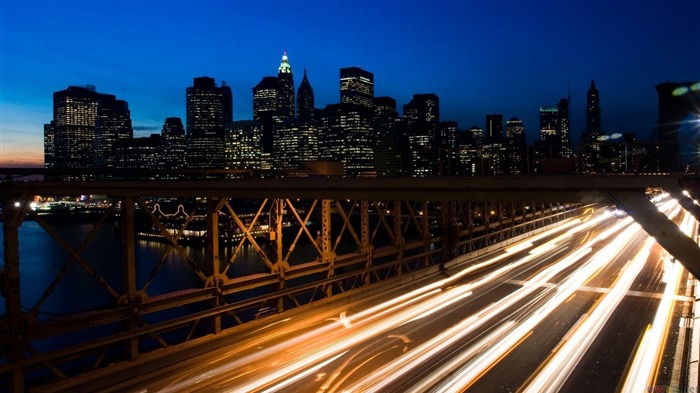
[[146, 128]]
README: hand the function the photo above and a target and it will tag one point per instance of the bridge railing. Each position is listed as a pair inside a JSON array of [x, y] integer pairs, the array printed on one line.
[[213, 263]]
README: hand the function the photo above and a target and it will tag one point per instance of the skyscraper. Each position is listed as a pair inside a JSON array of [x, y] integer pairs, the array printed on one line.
[[243, 146], [494, 127], [516, 160], [563, 128], [113, 124], [285, 89], [265, 109], [389, 143], [346, 135], [73, 128], [356, 86], [515, 129], [591, 150], [305, 101], [173, 145], [549, 119], [81, 113], [422, 115], [205, 123], [593, 125]]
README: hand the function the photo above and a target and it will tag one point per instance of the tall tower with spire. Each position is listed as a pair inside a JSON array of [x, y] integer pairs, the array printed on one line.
[[593, 127], [305, 101], [591, 143], [285, 89]]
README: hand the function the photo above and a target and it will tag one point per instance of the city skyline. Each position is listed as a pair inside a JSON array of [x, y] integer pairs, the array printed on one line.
[[472, 55]]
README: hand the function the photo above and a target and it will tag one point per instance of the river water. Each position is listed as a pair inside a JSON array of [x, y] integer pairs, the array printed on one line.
[[42, 259]]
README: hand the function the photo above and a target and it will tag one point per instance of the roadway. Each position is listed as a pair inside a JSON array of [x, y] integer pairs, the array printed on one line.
[[583, 307]]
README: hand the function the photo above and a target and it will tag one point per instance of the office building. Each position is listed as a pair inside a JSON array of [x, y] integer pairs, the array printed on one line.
[[244, 145], [205, 123], [356, 86], [494, 127], [285, 89], [173, 145], [422, 115], [305, 101], [346, 135], [265, 109], [70, 138]]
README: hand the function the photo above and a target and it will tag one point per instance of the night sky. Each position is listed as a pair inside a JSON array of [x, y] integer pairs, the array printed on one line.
[[479, 57]]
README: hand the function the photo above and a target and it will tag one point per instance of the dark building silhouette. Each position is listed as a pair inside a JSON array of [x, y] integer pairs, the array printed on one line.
[[593, 123], [591, 149], [173, 145], [356, 86], [140, 153], [265, 109], [391, 144], [205, 123], [113, 124], [494, 127], [563, 129], [422, 115], [70, 140], [227, 101], [516, 147], [446, 145], [305, 101], [285, 89]]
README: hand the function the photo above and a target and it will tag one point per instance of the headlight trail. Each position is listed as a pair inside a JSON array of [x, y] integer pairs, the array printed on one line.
[[472, 370], [644, 366], [320, 346], [396, 369], [557, 370]]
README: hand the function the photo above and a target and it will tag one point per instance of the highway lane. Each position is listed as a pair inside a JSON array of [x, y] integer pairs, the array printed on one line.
[[489, 328]]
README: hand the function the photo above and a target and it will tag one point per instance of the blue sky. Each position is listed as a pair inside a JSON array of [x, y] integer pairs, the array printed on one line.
[[479, 57]]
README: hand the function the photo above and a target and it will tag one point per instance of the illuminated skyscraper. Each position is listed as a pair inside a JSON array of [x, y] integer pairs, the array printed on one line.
[[285, 89], [79, 114], [356, 86], [346, 135], [305, 101], [243, 144], [205, 123]]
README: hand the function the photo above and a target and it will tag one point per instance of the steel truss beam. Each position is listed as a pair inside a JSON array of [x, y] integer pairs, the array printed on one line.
[[656, 224], [389, 237]]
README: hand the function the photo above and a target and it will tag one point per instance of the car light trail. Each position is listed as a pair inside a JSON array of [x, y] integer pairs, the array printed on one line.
[[471, 371], [309, 352], [557, 370], [644, 366], [394, 370]]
